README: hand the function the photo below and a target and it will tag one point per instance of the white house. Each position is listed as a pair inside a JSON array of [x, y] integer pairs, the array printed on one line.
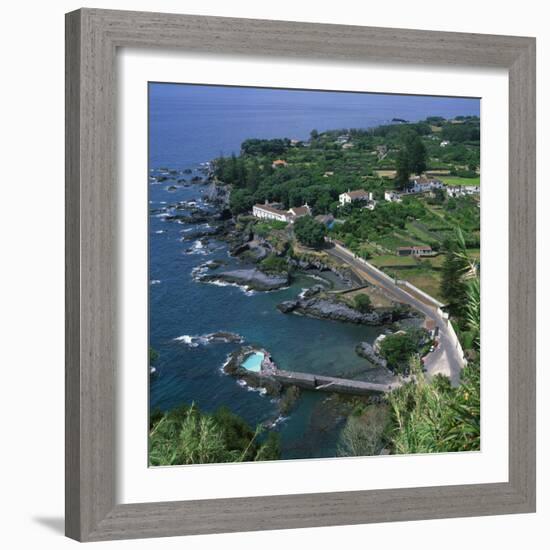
[[279, 163], [444, 143], [460, 191], [418, 251], [297, 212], [422, 184], [271, 212], [392, 196], [357, 195]]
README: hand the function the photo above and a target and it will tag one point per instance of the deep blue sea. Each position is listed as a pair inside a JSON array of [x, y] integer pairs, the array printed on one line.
[[188, 126]]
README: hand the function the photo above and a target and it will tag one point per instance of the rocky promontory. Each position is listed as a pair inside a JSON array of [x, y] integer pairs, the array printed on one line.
[[315, 303], [252, 279], [262, 379], [365, 350]]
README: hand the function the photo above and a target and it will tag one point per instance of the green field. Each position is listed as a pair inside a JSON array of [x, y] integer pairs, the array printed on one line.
[[452, 180], [423, 277], [388, 260]]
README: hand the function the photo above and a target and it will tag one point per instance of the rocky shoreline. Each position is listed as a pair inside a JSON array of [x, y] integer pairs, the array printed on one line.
[[315, 303], [252, 279], [365, 350]]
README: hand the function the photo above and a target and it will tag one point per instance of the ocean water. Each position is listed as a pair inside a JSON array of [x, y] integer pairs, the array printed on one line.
[[188, 126]]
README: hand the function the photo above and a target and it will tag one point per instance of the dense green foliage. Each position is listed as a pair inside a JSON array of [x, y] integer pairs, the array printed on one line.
[[411, 159], [362, 303], [364, 433], [274, 264], [188, 436], [319, 170], [431, 417], [399, 348], [310, 232]]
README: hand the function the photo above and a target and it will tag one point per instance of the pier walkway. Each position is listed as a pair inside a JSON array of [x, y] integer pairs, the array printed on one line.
[[318, 382]]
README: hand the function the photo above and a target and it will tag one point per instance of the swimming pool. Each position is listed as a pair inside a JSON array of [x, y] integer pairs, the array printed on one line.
[[254, 361]]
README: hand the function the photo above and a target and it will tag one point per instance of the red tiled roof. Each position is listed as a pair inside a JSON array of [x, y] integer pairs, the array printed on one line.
[[299, 210], [358, 193]]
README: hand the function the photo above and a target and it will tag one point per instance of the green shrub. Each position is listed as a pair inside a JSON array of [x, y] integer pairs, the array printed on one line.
[[363, 303], [187, 436], [274, 264]]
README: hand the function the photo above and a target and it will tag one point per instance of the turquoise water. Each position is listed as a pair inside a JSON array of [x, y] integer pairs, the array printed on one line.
[[253, 362]]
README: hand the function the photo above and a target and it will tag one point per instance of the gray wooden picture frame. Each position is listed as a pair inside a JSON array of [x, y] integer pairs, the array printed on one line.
[[92, 39]]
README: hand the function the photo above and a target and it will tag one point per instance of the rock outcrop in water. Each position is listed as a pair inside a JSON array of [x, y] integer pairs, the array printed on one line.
[[364, 349], [262, 379], [253, 279], [315, 304]]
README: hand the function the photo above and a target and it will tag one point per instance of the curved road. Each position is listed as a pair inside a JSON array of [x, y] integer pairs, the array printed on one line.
[[446, 359]]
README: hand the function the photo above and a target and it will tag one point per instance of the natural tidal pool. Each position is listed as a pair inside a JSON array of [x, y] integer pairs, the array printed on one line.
[[253, 362]]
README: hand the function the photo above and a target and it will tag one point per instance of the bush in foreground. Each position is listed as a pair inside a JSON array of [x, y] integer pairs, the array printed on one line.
[[187, 436]]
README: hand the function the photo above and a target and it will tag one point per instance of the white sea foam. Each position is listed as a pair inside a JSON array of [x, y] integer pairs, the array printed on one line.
[[317, 278], [279, 420], [206, 339], [187, 340], [243, 288], [197, 248], [243, 384], [226, 362]]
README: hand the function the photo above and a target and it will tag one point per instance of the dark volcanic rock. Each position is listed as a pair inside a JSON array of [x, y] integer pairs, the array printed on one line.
[[288, 307], [251, 278], [364, 349], [334, 310]]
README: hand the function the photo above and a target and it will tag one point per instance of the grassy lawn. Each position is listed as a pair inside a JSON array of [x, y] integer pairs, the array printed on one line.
[[377, 297], [388, 260], [452, 180], [417, 230], [395, 240], [385, 173], [425, 279]]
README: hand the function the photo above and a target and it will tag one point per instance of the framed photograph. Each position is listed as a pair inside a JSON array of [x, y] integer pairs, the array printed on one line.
[[300, 275]]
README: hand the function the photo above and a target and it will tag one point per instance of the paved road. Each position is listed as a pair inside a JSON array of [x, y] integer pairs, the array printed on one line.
[[446, 358]]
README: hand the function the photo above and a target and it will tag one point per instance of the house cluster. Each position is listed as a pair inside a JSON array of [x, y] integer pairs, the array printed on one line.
[[416, 251], [357, 195], [423, 184], [341, 140], [392, 196], [273, 211], [462, 190]]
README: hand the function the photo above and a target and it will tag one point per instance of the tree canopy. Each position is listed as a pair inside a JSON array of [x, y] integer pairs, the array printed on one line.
[[309, 231]]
